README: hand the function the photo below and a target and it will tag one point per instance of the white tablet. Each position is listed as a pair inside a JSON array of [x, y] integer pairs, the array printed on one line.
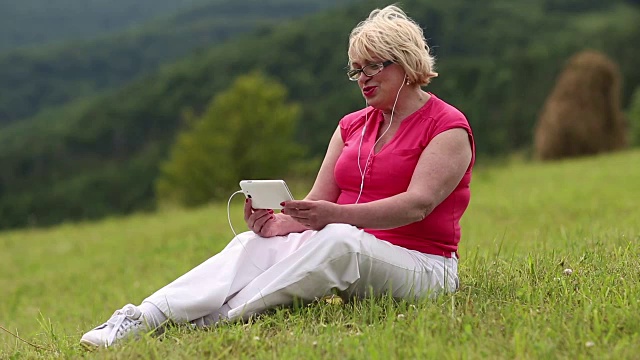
[[266, 194]]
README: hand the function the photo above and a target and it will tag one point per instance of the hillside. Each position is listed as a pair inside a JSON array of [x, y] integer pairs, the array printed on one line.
[[526, 223], [36, 78], [101, 156], [35, 22]]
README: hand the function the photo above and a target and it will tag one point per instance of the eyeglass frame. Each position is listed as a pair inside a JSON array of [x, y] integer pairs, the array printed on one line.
[[358, 72]]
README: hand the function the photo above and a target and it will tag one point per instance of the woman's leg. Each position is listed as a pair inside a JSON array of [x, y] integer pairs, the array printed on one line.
[[343, 258], [199, 294], [253, 274], [203, 290]]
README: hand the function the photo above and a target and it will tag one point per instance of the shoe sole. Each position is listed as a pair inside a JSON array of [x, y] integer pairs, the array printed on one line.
[[88, 345]]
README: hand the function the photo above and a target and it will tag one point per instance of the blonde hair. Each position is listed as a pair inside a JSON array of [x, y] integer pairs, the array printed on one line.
[[391, 35]]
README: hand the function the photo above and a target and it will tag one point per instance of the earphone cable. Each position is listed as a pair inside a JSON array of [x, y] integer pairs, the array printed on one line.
[[366, 121], [234, 231]]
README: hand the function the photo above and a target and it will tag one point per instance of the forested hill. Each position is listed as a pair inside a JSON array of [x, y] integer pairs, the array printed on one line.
[[36, 22], [36, 78], [497, 60]]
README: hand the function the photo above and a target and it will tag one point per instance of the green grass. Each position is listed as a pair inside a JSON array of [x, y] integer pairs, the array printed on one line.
[[527, 223]]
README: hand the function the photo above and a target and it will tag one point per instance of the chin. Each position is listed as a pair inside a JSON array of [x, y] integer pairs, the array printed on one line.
[[373, 103], [377, 105]]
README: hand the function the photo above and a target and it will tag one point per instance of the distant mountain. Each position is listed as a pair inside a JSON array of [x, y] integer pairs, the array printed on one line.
[[33, 79], [26, 23], [497, 60]]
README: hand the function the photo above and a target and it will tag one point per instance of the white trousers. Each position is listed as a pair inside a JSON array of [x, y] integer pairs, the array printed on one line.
[[253, 274]]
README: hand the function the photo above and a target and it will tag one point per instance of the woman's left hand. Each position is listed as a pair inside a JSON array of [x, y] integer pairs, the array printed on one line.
[[314, 214]]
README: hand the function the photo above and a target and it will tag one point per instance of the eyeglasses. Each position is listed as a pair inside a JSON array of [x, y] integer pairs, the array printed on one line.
[[369, 70]]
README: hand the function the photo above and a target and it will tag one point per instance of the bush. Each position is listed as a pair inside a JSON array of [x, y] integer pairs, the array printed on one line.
[[634, 118], [245, 133]]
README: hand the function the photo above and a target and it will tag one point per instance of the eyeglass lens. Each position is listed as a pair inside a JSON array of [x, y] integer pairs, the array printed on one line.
[[369, 70]]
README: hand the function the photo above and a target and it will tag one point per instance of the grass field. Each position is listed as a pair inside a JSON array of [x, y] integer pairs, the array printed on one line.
[[527, 223]]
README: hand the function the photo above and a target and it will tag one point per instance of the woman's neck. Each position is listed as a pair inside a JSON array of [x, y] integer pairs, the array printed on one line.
[[409, 102]]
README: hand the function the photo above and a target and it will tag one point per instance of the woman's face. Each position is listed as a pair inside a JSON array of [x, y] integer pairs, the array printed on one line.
[[381, 89]]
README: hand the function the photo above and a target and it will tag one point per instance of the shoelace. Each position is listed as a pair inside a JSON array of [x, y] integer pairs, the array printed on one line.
[[122, 320]]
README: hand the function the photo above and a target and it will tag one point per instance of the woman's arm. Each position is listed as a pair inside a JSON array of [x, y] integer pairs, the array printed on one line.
[[267, 224], [325, 187], [440, 168]]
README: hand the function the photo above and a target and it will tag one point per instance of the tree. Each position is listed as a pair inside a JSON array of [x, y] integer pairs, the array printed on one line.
[[634, 118], [245, 133]]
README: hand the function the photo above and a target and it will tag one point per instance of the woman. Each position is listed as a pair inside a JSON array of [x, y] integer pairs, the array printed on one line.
[[382, 216]]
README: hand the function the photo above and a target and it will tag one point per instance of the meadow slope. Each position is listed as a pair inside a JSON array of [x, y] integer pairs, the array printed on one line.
[[527, 223]]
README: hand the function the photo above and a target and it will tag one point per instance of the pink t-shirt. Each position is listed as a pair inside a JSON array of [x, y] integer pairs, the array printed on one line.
[[389, 172]]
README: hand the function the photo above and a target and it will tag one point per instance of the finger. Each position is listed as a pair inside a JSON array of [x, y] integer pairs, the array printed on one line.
[[297, 213], [298, 204], [258, 218], [259, 224], [302, 221], [255, 215], [247, 210], [261, 227]]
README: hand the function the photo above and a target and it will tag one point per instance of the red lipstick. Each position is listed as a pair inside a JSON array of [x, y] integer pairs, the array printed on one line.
[[369, 91]]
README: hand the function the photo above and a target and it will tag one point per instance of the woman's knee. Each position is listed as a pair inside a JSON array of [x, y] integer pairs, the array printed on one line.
[[343, 236], [244, 239]]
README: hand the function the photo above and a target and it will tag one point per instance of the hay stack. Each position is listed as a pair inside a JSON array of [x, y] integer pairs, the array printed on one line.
[[582, 115]]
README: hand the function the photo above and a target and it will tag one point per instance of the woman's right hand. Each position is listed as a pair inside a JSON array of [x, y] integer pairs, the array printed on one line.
[[260, 221]]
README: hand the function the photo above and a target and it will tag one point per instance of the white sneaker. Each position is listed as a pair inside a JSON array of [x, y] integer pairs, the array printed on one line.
[[124, 323]]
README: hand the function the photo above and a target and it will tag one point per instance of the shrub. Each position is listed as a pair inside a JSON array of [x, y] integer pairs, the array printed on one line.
[[245, 133], [634, 118]]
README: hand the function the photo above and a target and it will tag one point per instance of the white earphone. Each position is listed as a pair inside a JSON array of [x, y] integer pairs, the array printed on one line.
[[364, 129]]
